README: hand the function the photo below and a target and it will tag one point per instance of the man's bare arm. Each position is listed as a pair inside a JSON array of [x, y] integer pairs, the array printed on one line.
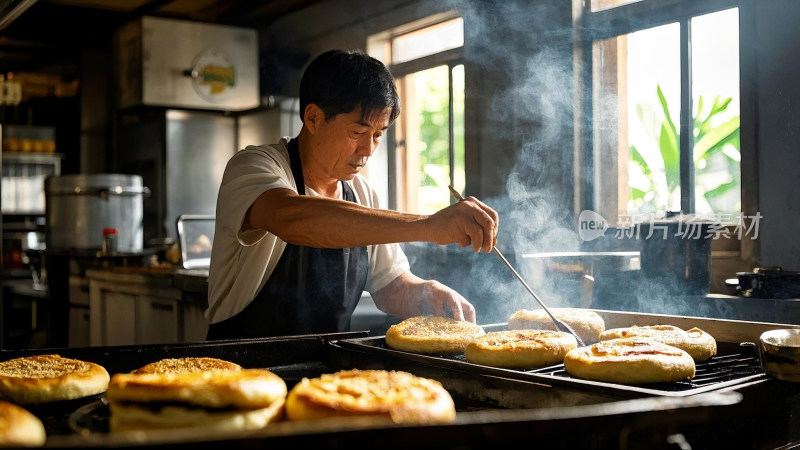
[[408, 295], [329, 223]]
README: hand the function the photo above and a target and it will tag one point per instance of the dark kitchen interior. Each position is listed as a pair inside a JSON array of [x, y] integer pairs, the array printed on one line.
[[536, 147]]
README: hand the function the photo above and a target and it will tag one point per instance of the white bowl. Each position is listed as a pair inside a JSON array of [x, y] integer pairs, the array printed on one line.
[[780, 353]]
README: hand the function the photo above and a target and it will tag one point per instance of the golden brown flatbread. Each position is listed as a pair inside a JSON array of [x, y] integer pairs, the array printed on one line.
[[49, 378], [187, 365], [219, 399], [696, 342], [399, 396], [634, 360], [19, 427], [432, 335], [520, 348], [586, 323]]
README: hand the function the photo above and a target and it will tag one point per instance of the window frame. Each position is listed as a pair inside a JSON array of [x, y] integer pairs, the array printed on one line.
[[450, 58], [594, 26], [727, 255]]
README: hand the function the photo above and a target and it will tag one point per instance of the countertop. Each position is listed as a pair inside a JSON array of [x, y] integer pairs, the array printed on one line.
[[193, 283], [721, 306], [25, 287], [192, 280], [730, 307]]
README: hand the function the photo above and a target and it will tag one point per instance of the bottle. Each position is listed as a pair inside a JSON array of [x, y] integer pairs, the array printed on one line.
[[109, 241]]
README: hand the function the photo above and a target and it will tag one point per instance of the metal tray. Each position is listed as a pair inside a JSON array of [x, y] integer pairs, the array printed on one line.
[[734, 364]]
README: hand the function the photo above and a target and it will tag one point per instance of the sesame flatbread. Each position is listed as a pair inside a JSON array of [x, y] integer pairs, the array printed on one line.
[[696, 342], [49, 378], [520, 348], [399, 396], [432, 335], [633, 360]]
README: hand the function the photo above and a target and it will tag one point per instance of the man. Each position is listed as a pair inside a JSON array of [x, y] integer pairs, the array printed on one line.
[[299, 233]]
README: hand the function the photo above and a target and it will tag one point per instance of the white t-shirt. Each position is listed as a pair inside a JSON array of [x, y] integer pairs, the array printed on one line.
[[241, 262]]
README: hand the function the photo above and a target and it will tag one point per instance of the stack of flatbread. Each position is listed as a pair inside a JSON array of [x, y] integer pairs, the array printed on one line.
[[195, 392]]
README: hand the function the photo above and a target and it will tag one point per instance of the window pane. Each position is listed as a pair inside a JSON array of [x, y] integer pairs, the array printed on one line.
[[636, 98], [653, 114], [428, 41], [715, 99], [425, 163]]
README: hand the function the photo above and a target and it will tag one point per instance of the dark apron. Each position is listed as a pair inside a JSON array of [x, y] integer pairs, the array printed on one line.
[[311, 290]]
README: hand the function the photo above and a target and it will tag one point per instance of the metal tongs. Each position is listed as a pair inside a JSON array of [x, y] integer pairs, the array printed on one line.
[[560, 325]]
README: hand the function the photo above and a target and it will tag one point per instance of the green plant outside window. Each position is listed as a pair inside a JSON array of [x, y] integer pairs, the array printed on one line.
[[716, 158]]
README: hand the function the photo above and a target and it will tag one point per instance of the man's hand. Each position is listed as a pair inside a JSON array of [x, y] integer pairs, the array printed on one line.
[[409, 295], [440, 300], [467, 223]]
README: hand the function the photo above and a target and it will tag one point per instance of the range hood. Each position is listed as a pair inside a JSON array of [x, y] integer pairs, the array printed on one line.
[[186, 64]]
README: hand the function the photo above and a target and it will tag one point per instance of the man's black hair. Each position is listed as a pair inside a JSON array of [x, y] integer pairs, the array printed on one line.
[[338, 81]]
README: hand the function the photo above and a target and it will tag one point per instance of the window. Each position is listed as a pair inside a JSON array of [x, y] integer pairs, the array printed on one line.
[[426, 153], [662, 130]]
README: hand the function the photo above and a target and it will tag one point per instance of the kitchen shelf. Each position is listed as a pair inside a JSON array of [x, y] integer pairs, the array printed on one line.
[[23, 181], [32, 157]]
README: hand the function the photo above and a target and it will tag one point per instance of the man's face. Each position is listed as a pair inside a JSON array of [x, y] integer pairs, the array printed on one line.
[[344, 144]]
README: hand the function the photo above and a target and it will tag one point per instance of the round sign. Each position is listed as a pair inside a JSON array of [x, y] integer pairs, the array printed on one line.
[[213, 75]]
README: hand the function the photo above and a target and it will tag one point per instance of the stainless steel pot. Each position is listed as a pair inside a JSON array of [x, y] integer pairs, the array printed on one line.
[[79, 207]]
